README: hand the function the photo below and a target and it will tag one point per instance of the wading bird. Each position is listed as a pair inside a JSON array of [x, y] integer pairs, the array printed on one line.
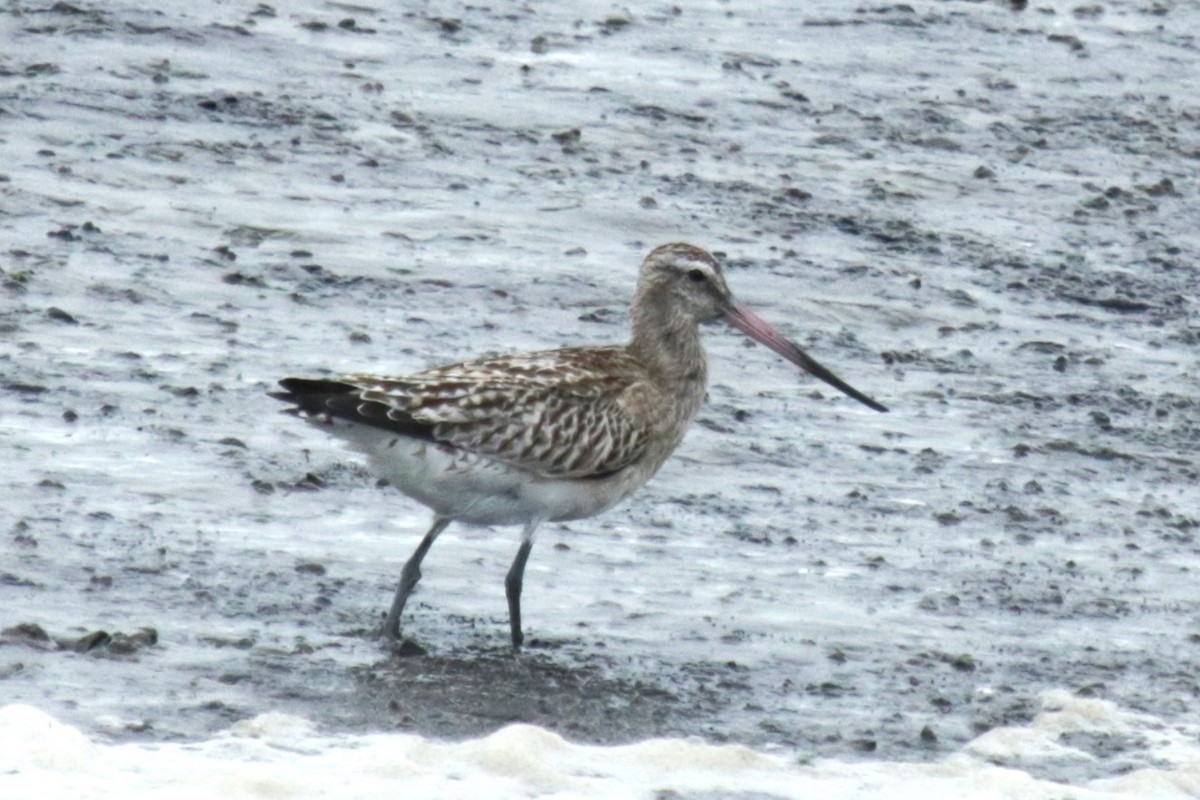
[[547, 436]]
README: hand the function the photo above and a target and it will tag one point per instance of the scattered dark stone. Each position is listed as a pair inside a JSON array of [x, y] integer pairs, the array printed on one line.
[[34, 70], [127, 644], [10, 669], [24, 388], [615, 23], [940, 143], [91, 641], [1018, 515], [310, 568], [567, 137], [60, 316], [961, 297], [963, 663], [1165, 187], [29, 634], [242, 279], [897, 357], [244, 643], [598, 315], [1123, 304], [65, 234], [1074, 42]]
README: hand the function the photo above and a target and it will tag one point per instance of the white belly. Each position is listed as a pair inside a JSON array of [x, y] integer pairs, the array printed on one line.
[[478, 490]]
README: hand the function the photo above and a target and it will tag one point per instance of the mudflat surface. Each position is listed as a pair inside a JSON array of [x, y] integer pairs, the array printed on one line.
[[984, 218]]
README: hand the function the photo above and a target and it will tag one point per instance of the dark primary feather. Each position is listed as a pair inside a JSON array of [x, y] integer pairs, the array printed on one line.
[[314, 397]]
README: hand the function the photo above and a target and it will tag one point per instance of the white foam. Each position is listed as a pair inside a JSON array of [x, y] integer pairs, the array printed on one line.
[[281, 756]]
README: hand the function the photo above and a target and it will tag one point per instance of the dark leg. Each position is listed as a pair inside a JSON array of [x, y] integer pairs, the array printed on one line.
[[408, 579], [514, 581]]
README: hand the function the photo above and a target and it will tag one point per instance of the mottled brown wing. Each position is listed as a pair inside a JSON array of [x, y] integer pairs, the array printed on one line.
[[570, 413]]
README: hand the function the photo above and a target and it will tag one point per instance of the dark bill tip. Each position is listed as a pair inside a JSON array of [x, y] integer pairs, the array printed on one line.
[[760, 331]]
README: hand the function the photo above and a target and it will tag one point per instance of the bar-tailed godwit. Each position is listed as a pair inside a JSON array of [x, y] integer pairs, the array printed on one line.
[[548, 436]]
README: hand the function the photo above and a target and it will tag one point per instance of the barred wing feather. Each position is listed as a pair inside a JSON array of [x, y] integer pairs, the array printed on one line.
[[570, 413]]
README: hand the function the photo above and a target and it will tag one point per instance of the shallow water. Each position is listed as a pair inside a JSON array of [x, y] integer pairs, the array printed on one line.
[[985, 219], [278, 755]]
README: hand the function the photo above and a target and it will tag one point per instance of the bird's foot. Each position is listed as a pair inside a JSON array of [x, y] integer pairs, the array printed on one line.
[[405, 648], [396, 644]]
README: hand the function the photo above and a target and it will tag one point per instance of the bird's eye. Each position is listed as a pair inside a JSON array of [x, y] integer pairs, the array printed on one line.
[[697, 275]]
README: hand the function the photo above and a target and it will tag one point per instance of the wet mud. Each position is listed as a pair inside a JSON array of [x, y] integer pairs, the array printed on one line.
[[985, 218]]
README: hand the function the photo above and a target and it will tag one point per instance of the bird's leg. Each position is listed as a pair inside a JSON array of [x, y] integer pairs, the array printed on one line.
[[408, 579], [514, 581]]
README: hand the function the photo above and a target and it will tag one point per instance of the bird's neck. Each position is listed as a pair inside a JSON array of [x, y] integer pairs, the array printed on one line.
[[669, 344]]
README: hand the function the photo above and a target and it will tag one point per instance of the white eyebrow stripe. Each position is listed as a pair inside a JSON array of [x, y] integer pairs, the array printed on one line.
[[690, 260]]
